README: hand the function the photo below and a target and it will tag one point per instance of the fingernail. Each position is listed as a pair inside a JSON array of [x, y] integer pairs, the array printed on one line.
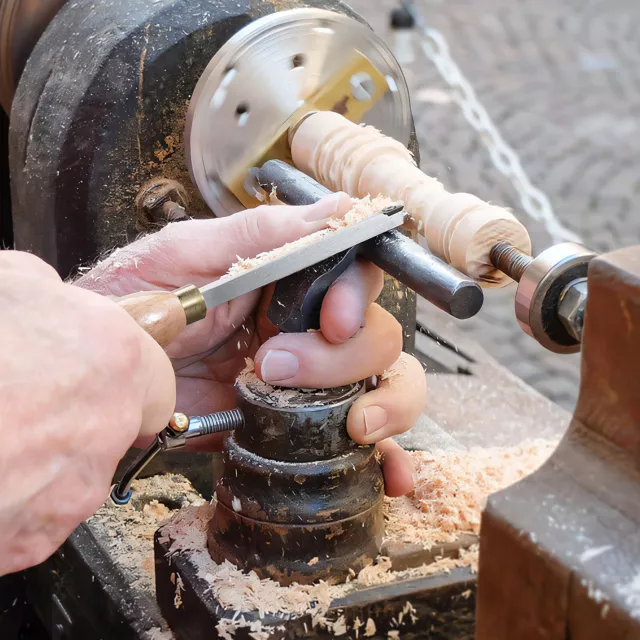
[[335, 202], [328, 207], [278, 366], [374, 419]]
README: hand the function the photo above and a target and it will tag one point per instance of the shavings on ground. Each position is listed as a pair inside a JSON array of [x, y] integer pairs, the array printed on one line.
[[362, 209], [452, 487], [128, 530], [235, 589], [381, 573]]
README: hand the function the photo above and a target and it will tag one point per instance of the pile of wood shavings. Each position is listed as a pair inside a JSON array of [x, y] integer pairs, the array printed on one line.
[[452, 487], [128, 530], [246, 592], [362, 209], [234, 589], [381, 573]]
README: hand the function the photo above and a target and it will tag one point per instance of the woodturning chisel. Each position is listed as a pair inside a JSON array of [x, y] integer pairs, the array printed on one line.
[[164, 315]]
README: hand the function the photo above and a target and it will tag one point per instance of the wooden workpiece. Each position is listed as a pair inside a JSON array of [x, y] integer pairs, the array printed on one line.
[[458, 227]]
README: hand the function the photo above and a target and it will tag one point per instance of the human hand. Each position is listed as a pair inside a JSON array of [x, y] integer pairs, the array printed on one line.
[[358, 339], [79, 377]]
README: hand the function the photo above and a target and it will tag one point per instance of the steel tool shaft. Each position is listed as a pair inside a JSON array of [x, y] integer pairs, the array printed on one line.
[[395, 253]]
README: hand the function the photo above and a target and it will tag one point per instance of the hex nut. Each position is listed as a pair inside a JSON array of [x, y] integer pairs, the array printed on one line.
[[572, 307]]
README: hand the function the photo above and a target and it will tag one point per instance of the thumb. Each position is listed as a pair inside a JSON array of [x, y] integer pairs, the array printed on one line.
[[210, 247]]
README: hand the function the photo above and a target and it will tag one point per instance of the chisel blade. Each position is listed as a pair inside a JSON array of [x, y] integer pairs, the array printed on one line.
[[231, 287]]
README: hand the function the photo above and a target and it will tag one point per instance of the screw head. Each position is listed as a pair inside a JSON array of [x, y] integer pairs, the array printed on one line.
[[179, 422]]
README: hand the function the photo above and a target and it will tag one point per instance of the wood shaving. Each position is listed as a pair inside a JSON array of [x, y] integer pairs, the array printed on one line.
[[156, 633], [156, 510], [362, 209], [370, 628], [282, 397], [452, 487], [177, 599], [381, 572], [227, 628]]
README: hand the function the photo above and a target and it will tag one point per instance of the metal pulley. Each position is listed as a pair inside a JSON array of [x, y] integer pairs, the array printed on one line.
[[268, 77]]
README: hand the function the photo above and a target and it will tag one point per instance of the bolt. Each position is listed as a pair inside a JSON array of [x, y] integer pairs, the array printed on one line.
[[179, 422], [217, 422], [572, 306], [160, 201], [174, 212], [509, 260]]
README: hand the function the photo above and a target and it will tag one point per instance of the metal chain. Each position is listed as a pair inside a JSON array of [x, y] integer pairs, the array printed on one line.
[[534, 202]]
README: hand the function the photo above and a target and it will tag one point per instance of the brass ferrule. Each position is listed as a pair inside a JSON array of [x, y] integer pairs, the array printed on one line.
[[195, 308]]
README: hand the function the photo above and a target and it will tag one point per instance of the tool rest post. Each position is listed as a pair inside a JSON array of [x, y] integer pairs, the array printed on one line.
[[298, 500]]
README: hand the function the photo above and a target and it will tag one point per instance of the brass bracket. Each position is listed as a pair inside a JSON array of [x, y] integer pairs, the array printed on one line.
[[352, 92]]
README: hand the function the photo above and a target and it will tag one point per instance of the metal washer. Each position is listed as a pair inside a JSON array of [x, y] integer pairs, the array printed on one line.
[[258, 79]]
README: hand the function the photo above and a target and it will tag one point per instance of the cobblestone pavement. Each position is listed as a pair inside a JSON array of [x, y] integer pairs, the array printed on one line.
[[561, 79]]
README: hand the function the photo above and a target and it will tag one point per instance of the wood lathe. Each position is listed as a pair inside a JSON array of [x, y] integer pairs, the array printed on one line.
[[201, 107]]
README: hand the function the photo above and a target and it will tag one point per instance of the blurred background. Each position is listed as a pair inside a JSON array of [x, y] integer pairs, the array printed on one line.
[[561, 81]]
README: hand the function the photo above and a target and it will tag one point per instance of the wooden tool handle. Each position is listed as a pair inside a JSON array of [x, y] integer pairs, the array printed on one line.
[[159, 313]]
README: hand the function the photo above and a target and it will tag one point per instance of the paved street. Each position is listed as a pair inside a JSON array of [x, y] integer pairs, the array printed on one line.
[[561, 79]]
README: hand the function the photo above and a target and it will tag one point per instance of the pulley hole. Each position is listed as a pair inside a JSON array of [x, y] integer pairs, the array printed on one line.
[[242, 114], [297, 61]]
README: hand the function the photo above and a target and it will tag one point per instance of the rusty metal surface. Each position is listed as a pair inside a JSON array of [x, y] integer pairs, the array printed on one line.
[[298, 500]]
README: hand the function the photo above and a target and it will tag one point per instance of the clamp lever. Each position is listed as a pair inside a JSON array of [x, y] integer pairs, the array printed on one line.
[[175, 435]]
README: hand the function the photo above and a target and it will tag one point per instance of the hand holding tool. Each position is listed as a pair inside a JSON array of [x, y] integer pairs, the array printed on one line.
[[164, 315]]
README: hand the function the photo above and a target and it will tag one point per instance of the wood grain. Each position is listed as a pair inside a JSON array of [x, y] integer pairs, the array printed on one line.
[[459, 228], [159, 313]]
